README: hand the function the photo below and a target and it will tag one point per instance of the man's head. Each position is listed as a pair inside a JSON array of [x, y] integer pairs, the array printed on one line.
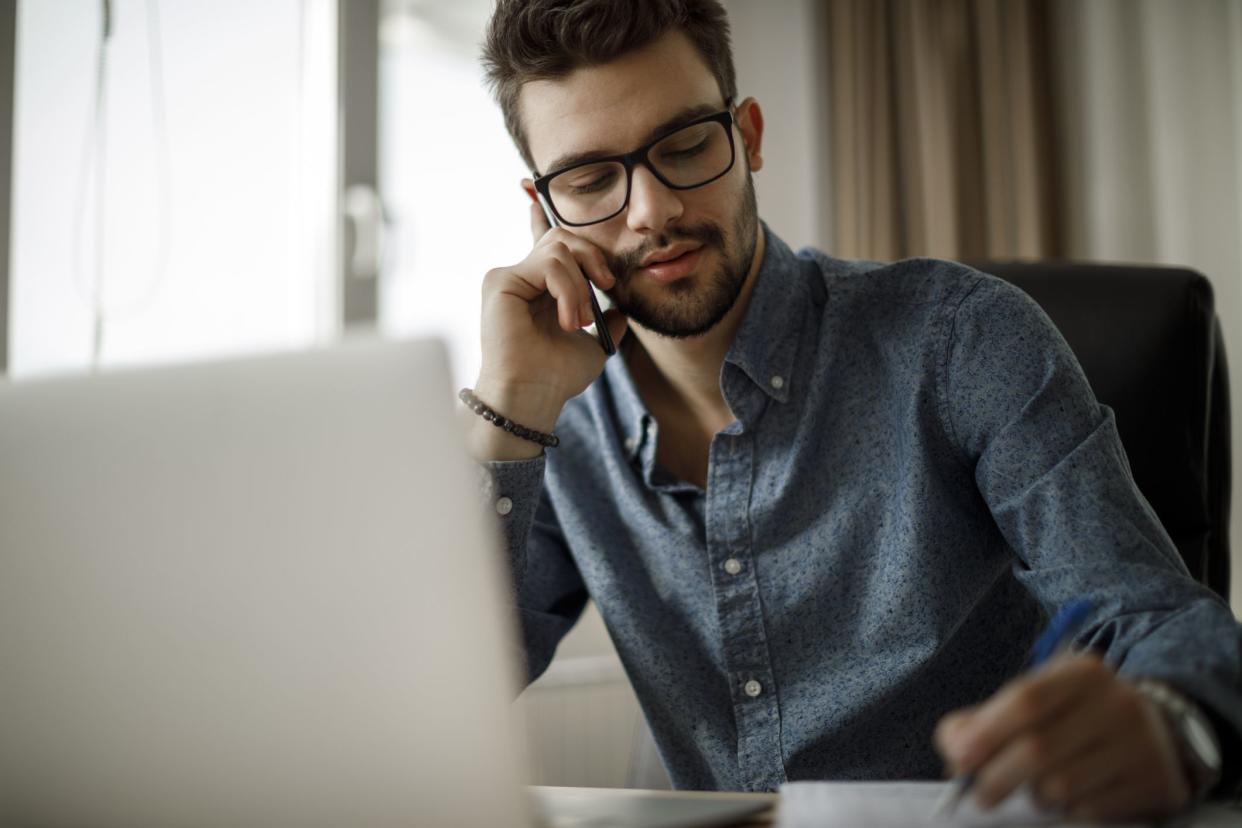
[[547, 39], [605, 77]]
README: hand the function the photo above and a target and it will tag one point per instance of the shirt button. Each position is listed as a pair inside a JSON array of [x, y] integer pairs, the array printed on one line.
[[629, 443], [504, 506], [778, 382], [733, 566], [752, 688]]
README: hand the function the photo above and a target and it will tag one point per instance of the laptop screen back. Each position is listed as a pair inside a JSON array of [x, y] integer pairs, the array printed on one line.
[[260, 592]]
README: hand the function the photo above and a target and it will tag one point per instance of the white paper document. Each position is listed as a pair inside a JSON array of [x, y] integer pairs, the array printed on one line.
[[912, 804]]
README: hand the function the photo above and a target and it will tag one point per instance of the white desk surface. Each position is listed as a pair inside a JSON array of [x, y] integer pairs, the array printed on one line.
[[1212, 816]]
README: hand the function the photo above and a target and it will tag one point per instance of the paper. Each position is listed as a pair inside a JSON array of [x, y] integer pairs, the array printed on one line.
[[895, 805]]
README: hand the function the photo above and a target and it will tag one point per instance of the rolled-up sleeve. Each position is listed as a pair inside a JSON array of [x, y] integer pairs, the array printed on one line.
[[1049, 463]]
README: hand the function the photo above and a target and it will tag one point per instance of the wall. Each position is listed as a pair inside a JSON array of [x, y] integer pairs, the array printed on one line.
[[779, 64]]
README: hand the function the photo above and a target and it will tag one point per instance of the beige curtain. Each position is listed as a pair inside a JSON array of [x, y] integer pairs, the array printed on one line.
[[941, 129]]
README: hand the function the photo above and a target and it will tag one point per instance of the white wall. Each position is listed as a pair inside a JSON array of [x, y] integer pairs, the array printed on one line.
[[779, 63]]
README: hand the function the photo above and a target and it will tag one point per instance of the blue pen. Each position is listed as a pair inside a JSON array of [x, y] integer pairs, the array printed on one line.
[[1056, 637]]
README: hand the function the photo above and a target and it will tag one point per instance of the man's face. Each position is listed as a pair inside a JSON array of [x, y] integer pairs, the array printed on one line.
[[680, 256]]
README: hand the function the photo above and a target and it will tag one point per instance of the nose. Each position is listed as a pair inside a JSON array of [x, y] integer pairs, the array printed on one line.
[[652, 205]]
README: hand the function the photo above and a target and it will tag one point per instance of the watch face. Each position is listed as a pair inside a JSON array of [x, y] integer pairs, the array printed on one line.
[[1201, 742]]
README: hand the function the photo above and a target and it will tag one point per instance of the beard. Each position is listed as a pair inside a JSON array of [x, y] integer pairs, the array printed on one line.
[[687, 308]]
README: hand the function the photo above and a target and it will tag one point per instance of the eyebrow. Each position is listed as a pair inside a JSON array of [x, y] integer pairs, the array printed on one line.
[[682, 118]]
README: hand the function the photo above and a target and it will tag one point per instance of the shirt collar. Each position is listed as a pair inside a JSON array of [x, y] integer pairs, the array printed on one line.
[[767, 340], [764, 347]]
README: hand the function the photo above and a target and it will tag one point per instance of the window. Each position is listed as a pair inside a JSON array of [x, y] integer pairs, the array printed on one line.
[[209, 175], [449, 174]]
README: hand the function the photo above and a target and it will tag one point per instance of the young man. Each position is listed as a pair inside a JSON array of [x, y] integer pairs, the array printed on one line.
[[821, 505]]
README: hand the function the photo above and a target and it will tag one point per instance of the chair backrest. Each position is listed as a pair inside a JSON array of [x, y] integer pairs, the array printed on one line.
[[1150, 344]]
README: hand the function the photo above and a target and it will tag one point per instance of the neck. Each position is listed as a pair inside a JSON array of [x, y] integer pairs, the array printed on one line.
[[686, 372]]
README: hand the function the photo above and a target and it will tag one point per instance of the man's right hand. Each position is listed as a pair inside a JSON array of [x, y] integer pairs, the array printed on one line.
[[535, 354]]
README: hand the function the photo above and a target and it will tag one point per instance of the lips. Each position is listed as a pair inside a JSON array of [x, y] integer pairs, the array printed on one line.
[[672, 263], [668, 253]]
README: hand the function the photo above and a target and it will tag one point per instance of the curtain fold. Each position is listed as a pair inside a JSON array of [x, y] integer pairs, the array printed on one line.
[[942, 135]]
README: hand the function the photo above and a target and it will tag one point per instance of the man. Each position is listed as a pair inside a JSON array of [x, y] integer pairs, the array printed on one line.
[[821, 505]]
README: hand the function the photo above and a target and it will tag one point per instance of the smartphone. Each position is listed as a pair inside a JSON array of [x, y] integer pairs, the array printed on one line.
[[601, 330]]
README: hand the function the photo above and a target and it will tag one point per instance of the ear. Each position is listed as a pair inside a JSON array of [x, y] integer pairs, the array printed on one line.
[[750, 123], [529, 186]]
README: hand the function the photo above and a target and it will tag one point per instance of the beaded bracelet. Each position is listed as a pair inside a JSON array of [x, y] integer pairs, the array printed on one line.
[[481, 408]]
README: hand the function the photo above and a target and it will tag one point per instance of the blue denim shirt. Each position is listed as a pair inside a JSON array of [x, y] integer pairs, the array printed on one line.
[[917, 476]]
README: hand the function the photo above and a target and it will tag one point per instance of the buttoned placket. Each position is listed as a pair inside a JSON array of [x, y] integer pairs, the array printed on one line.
[[739, 611]]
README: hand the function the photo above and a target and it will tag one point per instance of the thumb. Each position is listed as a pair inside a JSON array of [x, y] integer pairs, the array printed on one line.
[[949, 731], [617, 324], [538, 222]]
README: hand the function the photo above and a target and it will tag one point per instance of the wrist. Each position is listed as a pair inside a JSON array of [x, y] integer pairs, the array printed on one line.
[[532, 406]]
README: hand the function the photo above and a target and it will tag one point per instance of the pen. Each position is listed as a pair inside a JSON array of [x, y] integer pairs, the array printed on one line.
[[1056, 637]]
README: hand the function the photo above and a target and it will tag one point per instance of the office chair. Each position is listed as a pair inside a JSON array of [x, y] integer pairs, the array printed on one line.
[[1150, 344]]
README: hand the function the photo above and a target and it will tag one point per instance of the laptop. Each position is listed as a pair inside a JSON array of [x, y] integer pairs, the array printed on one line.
[[260, 592]]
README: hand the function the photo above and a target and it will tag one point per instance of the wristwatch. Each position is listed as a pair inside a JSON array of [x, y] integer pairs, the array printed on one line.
[[1197, 745]]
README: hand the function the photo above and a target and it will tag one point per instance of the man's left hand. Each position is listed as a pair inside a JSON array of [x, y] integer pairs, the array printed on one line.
[[1085, 740]]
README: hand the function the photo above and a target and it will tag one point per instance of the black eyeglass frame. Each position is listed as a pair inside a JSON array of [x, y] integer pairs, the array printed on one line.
[[639, 156]]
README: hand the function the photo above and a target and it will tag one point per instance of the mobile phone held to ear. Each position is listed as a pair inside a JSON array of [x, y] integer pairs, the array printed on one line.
[[601, 330]]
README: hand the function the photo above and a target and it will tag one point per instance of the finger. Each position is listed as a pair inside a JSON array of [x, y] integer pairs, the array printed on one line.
[[1049, 747], [590, 258], [538, 222], [1022, 705], [588, 311], [1084, 775], [562, 251], [617, 324], [948, 731], [1138, 756], [564, 282]]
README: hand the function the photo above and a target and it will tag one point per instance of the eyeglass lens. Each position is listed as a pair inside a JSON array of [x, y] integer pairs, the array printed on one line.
[[687, 158]]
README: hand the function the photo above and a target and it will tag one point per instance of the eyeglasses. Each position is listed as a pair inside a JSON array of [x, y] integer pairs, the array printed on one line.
[[594, 191]]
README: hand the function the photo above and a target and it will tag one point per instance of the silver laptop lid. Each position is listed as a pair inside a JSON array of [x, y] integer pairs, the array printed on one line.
[[251, 593]]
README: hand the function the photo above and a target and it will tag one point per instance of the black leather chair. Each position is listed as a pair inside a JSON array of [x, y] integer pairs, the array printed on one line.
[[1150, 344]]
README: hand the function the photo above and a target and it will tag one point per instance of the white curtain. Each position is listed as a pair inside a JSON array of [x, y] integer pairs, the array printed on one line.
[[1151, 96]]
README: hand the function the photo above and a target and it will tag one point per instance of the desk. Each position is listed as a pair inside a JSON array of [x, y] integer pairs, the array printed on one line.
[[1213, 815], [765, 819]]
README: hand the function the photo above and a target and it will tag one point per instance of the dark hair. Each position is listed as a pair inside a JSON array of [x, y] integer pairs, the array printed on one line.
[[543, 39]]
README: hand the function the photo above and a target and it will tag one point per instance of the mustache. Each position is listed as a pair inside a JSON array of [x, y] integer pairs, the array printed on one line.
[[625, 263]]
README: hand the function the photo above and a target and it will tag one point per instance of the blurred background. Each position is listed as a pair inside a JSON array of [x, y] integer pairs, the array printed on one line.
[[184, 179]]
